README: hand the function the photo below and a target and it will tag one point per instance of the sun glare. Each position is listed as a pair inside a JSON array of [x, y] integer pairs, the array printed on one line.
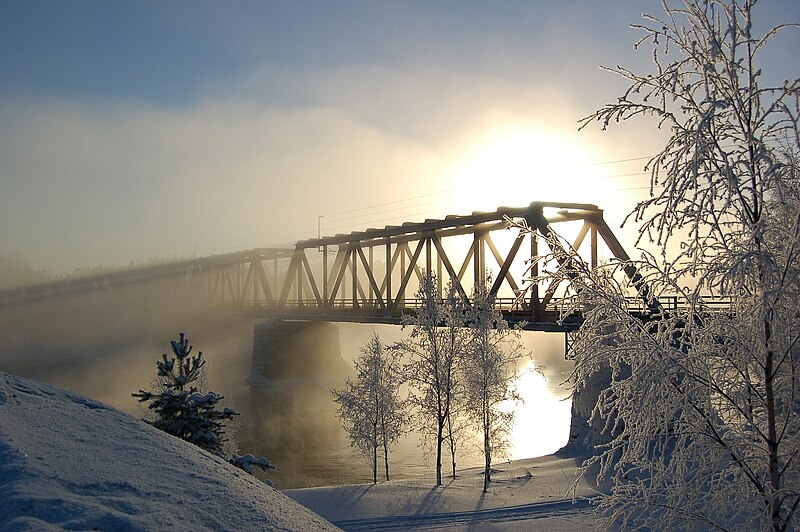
[[515, 164]]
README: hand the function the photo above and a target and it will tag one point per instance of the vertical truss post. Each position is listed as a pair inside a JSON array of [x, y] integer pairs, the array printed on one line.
[[372, 293], [388, 296], [535, 307], [325, 275], [275, 276], [438, 269], [300, 285], [401, 294], [477, 273], [428, 256], [355, 277], [569, 342]]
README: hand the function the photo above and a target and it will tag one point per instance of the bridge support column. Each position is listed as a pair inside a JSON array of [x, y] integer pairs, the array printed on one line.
[[296, 353]]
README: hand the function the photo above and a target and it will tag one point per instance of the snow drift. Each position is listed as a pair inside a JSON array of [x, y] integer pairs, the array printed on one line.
[[70, 462]]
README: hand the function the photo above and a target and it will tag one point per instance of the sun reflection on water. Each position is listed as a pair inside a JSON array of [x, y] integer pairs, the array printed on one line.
[[542, 421]]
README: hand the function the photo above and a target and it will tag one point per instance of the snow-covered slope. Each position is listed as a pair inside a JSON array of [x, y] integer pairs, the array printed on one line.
[[70, 462]]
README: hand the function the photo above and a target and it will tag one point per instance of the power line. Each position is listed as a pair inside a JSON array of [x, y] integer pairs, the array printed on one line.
[[390, 202], [619, 161], [345, 220]]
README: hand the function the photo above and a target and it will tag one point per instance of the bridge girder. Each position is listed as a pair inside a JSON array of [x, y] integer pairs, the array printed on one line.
[[374, 271]]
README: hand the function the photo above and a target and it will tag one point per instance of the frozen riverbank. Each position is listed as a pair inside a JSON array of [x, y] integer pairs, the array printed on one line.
[[532, 494], [70, 462]]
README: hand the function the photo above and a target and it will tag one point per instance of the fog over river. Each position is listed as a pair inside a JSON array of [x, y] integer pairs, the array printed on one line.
[[295, 426]]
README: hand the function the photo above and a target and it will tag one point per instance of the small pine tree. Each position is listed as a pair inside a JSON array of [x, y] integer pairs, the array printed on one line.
[[181, 408]]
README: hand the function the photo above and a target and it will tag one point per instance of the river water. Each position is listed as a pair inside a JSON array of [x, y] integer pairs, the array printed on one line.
[[296, 427]]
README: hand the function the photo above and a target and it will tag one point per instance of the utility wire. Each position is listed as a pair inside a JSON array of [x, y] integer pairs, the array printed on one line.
[[308, 224]]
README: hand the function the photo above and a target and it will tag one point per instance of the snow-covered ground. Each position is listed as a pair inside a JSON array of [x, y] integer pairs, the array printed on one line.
[[524, 495], [68, 462]]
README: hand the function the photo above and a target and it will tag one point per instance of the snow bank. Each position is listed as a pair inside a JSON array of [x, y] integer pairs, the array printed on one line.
[[70, 462]]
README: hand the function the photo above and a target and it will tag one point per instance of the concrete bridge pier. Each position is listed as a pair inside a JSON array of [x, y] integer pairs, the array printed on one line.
[[290, 354]]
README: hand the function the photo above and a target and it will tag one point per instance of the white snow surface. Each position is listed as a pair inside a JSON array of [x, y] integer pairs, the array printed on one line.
[[524, 495], [68, 462]]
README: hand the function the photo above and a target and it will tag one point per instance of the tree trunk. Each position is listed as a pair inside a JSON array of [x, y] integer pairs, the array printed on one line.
[[453, 456], [487, 453], [772, 438], [439, 441], [451, 439], [386, 456], [375, 454]]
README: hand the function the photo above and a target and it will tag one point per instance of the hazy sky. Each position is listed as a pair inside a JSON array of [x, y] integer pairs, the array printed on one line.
[[131, 130]]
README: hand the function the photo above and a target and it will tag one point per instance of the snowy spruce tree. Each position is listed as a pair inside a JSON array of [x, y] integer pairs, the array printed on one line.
[[370, 408], [702, 407], [435, 349], [489, 370], [183, 410]]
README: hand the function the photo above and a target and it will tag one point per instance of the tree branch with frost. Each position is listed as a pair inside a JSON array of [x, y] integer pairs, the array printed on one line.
[[489, 369], [435, 348], [724, 189]]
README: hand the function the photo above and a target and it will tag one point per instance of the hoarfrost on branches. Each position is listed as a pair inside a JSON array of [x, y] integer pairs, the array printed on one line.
[[371, 409], [703, 403], [435, 348], [489, 369]]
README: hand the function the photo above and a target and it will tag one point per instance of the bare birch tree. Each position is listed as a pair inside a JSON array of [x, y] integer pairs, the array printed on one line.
[[489, 370], [435, 347], [371, 410], [704, 397]]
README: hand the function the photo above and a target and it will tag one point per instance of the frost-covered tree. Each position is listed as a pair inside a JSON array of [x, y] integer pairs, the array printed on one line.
[[703, 403], [435, 348], [489, 370], [182, 409], [371, 409]]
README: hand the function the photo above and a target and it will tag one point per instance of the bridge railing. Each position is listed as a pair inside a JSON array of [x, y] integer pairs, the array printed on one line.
[[514, 309]]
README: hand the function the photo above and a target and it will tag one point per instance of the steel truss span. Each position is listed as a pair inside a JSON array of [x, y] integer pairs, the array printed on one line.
[[371, 276]]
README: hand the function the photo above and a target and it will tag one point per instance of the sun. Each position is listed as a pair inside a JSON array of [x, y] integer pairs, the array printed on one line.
[[515, 163]]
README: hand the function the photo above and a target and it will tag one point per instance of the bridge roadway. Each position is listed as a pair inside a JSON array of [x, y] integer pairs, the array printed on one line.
[[374, 273]]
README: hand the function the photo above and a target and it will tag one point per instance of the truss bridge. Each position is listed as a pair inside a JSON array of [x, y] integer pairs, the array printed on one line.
[[371, 275]]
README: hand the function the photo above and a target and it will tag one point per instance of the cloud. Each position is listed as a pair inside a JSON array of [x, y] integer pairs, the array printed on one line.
[[114, 182], [255, 160]]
